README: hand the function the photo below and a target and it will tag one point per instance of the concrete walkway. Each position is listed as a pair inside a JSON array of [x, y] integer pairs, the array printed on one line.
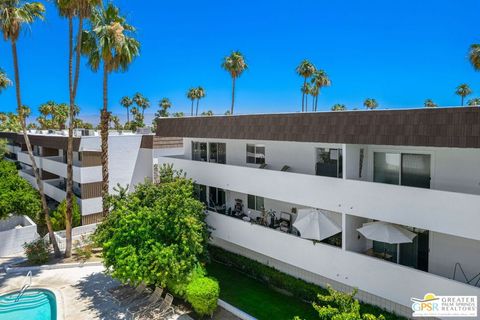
[[83, 293]]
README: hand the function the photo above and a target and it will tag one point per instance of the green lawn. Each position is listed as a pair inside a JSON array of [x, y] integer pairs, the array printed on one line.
[[256, 298]]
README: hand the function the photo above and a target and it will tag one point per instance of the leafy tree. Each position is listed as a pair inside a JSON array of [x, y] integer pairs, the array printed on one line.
[[474, 56], [14, 15], [178, 114], [235, 65], [370, 103], [320, 79], [10, 122], [109, 43], [79, 123], [430, 104], [192, 95], [141, 102], [3, 148], [474, 102], [207, 113], [337, 305], [4, 81], [116, 122], [339, 107], [59, 215], [126, 102], [155, 234], [305, 69], [164, 105], [463, 90], [17, 196]]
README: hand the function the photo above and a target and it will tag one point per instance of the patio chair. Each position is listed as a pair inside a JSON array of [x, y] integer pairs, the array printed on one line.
[[153, 299], [117, 289], [159, 311], [263, 166], [127, 296], [285, 168]]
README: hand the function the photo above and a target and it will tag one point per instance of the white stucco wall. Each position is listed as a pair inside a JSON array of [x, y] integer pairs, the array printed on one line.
[[11, 238]]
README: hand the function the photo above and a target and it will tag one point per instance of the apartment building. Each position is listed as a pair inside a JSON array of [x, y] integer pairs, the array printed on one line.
[[130, 162], [351, 179]]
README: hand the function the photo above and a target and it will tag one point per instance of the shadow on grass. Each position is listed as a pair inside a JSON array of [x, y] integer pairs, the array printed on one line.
[[93, 289]]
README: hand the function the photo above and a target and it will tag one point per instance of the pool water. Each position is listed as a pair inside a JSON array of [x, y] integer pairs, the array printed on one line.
[[34, 304]]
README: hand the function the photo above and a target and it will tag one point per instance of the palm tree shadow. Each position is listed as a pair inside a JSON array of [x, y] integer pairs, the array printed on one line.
[[93, 289]]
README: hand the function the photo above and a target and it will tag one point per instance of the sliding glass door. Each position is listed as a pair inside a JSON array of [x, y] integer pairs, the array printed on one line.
[[406, 169], [217, 152], [199, 151], [329, 163]]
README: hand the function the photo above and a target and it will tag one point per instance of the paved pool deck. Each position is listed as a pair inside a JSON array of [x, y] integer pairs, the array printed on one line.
[[82, 292]]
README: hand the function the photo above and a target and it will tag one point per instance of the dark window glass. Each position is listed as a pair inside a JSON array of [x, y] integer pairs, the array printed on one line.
[[251, 202], [218, 152], [329, 163], [200, 192], [250, 153], [255, 202], [416, 170], [199, 151], [255, 154], [386, 167]]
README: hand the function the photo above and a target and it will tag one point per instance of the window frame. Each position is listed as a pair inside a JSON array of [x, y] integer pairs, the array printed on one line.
[[256, 202], [256, 154]]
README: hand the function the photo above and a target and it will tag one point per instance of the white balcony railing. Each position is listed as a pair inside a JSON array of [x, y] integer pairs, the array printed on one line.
[[441, 211], [388, 280]]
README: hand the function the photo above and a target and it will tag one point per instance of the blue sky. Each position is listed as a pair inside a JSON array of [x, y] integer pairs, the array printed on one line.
[[399, 52]]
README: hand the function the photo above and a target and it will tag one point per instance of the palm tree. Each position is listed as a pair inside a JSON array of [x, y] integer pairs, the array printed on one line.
[[474, 56], [463, 90], [319, 80], [141, 101], [192, 95], [126, 102], [4, 81], [306, 90], [370, 103], [475, 102], [234, 64], [429, 104], [13, 16], [305, 69], [339, 107], [109, 42], [199, 94], [164, 105]]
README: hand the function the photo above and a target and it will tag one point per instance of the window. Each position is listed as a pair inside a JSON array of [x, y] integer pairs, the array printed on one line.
[[404, 169], [216, 199], [329, 163], [255, 203], [200, 192], [199, 151], [217, 152], [255, 153]]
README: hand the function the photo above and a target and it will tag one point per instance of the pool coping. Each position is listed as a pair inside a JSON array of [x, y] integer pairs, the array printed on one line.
[[10, 270], [60, 304]]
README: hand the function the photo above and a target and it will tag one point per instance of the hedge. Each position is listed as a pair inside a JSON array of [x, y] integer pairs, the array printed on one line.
[[271, 276]]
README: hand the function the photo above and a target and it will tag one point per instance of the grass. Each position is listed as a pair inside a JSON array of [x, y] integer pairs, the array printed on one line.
[[256, 298]]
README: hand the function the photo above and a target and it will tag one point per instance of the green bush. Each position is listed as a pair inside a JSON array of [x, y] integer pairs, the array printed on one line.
[[180, 288], [202, 293], [271, 276], [58, 216], [36, 251]]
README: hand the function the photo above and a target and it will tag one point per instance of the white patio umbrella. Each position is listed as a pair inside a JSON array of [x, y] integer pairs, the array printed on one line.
[[316, 225], [387, 232]]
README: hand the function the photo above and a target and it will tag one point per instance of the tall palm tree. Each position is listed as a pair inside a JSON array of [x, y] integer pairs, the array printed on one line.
[[199, 94], [235, 64], [463, 90], [474, 56], [71, 9], [110, 43], [370, 103], [475, 102], [141, 101], [305, 69], [429, 104], [320, 79], [13, 16], [306, 90], [192, 95], [4, 81], [126, 102], [339, 107], [164, 105]]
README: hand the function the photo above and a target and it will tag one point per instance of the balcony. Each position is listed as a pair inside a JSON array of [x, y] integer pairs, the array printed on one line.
[[56, 166], [440, 211], [369, 274]]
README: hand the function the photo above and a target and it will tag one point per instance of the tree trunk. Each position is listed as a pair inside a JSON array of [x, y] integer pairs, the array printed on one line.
[[306, 102], [69, 186], [303, 93], [196, 111], [128, 115], [233, 95], [104, 138], [462, 100], [30, 153], [191, 109]]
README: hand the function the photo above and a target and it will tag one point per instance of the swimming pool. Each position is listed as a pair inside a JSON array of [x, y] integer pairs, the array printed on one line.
[[34, 304]]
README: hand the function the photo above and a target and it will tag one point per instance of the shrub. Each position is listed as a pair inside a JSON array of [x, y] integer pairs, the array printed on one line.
[[83, 248], [58, 216], [180, 288], [36, 251], [202, 293]]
